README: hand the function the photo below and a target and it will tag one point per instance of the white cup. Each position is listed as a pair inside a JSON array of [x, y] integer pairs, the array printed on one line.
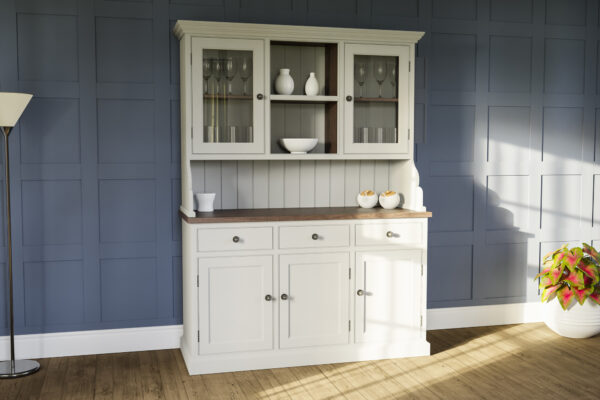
[[205, 201]]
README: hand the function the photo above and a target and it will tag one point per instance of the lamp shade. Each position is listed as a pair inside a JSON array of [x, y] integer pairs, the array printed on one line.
[[12, 106]]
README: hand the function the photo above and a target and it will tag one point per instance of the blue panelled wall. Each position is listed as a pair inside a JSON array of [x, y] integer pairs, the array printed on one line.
[[506, 120]]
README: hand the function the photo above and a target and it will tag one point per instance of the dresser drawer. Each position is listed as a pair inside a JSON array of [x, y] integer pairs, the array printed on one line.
[[311, 236], [409, 233], [226, 239]]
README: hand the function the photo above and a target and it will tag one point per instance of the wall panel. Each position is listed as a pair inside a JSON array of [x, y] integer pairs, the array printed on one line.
[[505, 122]]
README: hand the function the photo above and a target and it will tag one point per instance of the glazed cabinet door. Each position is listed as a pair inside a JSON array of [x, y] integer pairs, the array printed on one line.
[[389, 296], [227, 96], [314, 299], [235, 296], [378, 105]]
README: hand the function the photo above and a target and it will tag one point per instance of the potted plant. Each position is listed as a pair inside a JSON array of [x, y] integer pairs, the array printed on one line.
[[570, 284]]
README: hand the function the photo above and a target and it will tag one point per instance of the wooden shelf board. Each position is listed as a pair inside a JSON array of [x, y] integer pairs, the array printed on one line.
[[292, 98], [375, 100], [228, 97], [301, 214]]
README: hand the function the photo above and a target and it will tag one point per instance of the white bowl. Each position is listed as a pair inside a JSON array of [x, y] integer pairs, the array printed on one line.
[[367, 201], [389, 202], [298, 146]]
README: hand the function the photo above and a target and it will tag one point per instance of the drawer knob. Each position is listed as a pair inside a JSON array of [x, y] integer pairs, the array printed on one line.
[[260, 96], [236, 239], [389, 234], [315, 236], [360, 292], [268, 297], [284, 296]]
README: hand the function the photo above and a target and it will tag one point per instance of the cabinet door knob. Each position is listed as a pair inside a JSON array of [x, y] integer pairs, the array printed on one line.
[[315, 236], [389, 234], [236, 239], [284, 296], [268, 297], [360, 292], [260, 96], [348, 98]]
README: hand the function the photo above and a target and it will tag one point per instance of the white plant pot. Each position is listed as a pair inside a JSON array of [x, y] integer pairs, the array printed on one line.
[[579, 321], [284, 83]]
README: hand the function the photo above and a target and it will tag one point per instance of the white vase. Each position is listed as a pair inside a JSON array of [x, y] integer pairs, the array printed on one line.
[[204, 201], [284, 83], [311, 87], [578, 321]]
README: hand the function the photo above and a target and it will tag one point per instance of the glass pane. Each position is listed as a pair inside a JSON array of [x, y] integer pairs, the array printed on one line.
[[227, 96], [375, 99]]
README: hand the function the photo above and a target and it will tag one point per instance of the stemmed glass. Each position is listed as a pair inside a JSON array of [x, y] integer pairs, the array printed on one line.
[[380, 73], [360, 74], [206, 72], [245, 71], [218, 70], [230, 71], [392, 73]]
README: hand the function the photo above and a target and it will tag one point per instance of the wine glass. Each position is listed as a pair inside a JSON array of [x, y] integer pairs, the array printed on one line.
[[380, 73], [245, 71], [230, 71], [206, 72], [218, 70], [360, 74], [392, 73]]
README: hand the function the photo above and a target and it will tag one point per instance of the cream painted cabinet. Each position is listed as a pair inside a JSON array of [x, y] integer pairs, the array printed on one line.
[[314, 307], [227, 91], [231, 109], [235, 304], [378, 109], [389, 296]]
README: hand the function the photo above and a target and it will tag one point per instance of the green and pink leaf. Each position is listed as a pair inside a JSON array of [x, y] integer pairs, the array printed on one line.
[[556, 273], [565, 297], [595, 296], [544, 272], [590, 270], [582, 294], [572, 258], [575, 278], [549, 292]]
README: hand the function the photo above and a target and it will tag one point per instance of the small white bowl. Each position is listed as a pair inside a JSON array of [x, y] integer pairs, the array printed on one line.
[[389, 202], [367, 201], [298, 146]]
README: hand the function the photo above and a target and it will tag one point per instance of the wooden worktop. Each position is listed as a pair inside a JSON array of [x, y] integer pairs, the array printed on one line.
[[301, 214]]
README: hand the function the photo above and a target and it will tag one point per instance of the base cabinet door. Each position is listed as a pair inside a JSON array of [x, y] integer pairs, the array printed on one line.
[[314, 299], [235, 296], [389, 296]]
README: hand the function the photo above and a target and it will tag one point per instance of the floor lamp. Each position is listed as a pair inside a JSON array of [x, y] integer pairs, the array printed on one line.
[[12, 106]]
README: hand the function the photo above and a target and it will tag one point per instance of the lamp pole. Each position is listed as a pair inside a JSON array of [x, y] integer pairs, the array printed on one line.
[[12, 102]]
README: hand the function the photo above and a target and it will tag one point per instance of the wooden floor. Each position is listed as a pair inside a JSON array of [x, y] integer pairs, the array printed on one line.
[[505, 362]]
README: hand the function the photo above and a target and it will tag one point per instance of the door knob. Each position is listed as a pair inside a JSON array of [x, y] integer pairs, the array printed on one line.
[[360, 292], [284, 296], [268, 297], [236, 239], [348, 98]]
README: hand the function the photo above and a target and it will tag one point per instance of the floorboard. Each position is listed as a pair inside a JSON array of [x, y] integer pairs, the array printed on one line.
[[525, 361]]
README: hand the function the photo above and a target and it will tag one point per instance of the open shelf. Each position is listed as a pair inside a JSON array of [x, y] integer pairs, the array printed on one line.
[[293, 98], [375, 100]]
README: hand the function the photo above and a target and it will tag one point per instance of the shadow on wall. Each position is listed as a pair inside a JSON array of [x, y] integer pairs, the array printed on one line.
[[468, 268]]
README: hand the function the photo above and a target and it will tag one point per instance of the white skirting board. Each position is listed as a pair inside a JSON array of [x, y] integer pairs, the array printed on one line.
[[501, 314], [103, 341], [167, 337]]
